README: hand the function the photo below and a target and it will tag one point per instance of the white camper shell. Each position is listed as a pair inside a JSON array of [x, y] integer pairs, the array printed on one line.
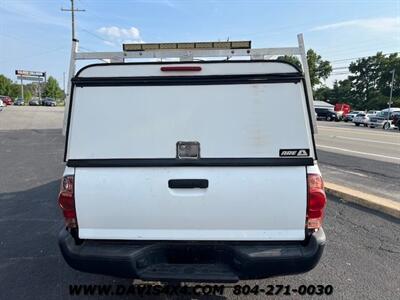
[[171, 155]]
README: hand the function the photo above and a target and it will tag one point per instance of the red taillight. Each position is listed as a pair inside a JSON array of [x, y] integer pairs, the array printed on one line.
[[180, 68], [66, 200], [316, 201]]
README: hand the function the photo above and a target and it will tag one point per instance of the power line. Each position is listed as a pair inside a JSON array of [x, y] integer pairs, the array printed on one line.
[[353, 58], [340, 68], [93, 34]]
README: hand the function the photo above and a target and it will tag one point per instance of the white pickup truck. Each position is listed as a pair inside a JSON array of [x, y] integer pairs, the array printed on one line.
[[186, 171]]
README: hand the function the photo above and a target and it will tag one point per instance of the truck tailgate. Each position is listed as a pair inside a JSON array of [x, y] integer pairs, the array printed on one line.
[[240, 203]]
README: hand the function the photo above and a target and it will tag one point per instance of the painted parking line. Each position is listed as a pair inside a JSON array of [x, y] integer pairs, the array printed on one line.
[[359, 152], [341, 170], [368, 132], [363, 140]]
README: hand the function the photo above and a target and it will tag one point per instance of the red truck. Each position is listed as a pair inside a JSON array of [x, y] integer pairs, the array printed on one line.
[[342, 109]]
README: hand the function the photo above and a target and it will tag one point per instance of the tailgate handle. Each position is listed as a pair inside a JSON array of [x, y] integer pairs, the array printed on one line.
[[188, 183]]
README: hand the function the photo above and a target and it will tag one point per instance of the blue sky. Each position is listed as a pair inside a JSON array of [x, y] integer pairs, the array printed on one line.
[[35, 34]]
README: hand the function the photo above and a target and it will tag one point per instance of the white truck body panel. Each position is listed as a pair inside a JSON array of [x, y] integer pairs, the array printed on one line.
[[241, 203], [227, 121], [252, 120]]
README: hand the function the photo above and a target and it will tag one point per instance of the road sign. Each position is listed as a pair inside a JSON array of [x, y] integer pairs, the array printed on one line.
[[30, 78], [30, 73]]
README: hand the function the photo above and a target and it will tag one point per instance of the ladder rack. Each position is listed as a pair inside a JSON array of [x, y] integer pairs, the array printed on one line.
[[190, 55]]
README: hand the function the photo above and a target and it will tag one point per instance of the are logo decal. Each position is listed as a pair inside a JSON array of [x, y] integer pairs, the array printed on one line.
[[294, 152]]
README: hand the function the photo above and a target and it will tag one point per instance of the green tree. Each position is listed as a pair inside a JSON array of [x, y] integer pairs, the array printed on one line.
[[319, 69], [392, 62], [371, 79], [341, 92], [12, 89], [52, 89], [322, 93], [5, 85], [27, 94], [15, 90], [291, 59]]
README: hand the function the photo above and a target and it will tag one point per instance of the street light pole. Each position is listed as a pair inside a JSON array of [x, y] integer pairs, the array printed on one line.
[[391, 92]]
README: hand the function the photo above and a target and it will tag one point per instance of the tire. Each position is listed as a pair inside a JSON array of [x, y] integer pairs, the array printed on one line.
[[328, 118], [386, 126], [357, 124]]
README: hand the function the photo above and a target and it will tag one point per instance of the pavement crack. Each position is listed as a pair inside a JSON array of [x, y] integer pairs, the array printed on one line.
[[388, 250]]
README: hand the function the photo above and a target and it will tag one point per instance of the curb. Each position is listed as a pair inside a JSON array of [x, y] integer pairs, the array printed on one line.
[[380, 204]]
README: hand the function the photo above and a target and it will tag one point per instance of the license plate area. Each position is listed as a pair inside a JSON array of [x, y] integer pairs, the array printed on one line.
[[187, 150]]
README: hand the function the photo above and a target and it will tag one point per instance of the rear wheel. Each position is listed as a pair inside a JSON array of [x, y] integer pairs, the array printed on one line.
[[328, 118], [357, 124], [386, 126]]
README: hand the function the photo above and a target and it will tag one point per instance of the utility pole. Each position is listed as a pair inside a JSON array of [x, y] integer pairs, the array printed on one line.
[[64, 83], [72, 10], [22, 88], [74, 49], [391, 92], [39, 91]]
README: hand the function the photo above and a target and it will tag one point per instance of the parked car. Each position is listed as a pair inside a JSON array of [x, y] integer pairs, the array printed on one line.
[[372, 112], [326, 114], [19, 101], [164, 199], [384, 118], [49, 102], [361, 119], [349, 117], [6, 100], [1, 105], [35, 102]]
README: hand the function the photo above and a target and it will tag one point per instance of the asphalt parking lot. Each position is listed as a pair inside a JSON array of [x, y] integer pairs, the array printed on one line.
[[360, 158], [31, 117], [364, 142], [360, 261]]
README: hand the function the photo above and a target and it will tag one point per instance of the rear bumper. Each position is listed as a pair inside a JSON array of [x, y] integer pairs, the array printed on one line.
[[192, 261]]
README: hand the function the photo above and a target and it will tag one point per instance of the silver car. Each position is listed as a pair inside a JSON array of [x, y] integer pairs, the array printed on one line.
[[351, 115], [383, 119], [361, 119]]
